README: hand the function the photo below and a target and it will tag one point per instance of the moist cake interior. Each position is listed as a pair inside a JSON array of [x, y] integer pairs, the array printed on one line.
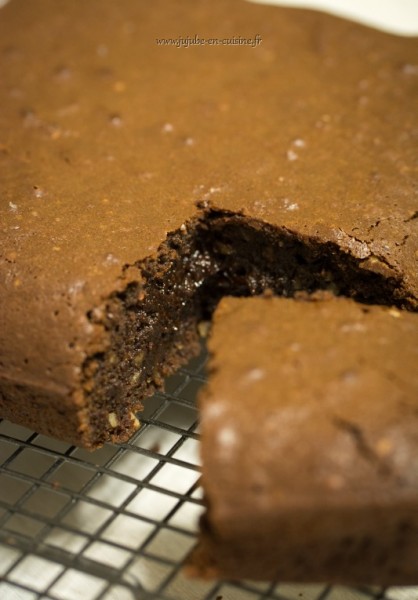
[[154, 325]]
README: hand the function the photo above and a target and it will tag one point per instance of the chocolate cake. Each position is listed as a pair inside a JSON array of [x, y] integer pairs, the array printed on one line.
[[141, 181], [309, 443]]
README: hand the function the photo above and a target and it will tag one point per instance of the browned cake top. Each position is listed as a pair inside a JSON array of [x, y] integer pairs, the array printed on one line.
[[309, 403], [108, 140], [309, 443]]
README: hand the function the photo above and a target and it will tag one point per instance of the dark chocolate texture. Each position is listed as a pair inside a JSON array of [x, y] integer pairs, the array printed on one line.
[[310, 457]]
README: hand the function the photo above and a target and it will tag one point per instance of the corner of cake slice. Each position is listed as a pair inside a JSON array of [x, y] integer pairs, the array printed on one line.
[[310, 444]]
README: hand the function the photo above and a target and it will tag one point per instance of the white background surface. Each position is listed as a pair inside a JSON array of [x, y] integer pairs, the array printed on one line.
[[393, 16]]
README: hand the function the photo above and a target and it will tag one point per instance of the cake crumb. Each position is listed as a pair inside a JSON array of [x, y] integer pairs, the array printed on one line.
[[157, 378], [135, 421], [38, 192], [227, 436], [299, 143], [255, 374], [135, 377], [203, 328], [291, 206], [139, 358], [115, 120], [113, 420]]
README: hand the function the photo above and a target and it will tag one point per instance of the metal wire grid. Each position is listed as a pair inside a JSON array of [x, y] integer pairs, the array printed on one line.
[[117, 524]]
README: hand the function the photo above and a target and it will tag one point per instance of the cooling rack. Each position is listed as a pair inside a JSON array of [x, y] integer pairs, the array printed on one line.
[[117, 524]]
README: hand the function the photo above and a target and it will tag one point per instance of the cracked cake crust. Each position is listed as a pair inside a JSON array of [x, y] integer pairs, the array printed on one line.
[[108, 146], [149, 327], [141, 183]]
